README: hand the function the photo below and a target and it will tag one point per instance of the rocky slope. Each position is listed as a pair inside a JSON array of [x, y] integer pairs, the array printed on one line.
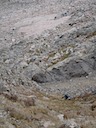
[[47, 48]]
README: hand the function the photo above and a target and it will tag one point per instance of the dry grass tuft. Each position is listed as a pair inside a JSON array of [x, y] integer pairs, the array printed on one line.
[[63, 126], [29, 102]]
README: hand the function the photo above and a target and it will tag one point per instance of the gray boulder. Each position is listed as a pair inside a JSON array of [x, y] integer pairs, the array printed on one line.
[[73, 68]]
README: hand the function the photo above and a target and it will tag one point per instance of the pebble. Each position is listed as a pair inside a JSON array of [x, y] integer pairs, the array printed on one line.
[[13, 40]]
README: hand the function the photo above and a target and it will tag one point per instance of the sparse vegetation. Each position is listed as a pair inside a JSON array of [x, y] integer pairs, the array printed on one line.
[[42, 109], [91, 35], [11, 97]]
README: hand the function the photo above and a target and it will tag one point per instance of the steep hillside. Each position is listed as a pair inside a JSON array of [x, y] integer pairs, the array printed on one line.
[[47, 64]]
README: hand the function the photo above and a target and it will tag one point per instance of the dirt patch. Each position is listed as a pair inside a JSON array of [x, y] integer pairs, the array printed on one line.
[[37, 25]]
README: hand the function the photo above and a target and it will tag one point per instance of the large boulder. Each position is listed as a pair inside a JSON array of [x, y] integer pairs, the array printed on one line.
[[73, 68]]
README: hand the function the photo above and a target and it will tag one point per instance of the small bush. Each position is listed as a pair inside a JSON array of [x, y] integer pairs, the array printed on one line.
[[93, 107]]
